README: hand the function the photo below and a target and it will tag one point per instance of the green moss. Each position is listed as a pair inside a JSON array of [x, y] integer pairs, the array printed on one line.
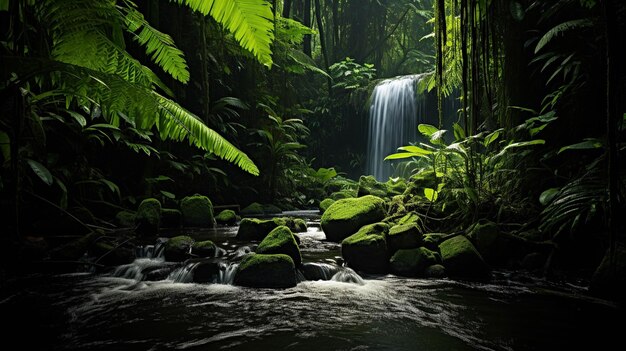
[[281, 241], [148, 217], [410, 217], [178, 248], [266, 271], [396, 187], [346, 216], [404, 236], [462, 260], [226, 217], [257, 229], [299, 225], [369, 186], [197, 211], [270, 209], [171, 218], [343, 194], [204, 248], [431, 240], [325, 204], [125, 219], [413, 262], [254, 209], [366, 250], [368, 235]]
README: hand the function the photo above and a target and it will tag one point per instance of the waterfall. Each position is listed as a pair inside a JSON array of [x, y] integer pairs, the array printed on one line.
[[395, 111], [348, 275]]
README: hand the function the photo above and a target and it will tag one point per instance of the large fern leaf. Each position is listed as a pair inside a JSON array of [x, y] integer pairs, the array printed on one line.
[[559, 29], [250, 21]]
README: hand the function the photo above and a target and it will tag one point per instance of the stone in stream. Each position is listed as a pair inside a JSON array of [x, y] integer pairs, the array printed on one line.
[[496, 247], [178, 248], [257, 229], [148, 217], [125, 219], [266, 271], [462, 260], [413, 262], [226, 217], [404, 236], [366, 250], [197, 211], [204, 249], [256, 209], [435, 271], [171, 218], [346, 216], [318, 271], [281, 241], [325, 204]]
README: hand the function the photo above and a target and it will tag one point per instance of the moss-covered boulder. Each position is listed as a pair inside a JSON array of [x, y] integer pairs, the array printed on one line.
[[269, 209], [431, 240], [254, 209], [205, 248], [346, 216], [227, 217], [366, 250], [325, 204], [281, 241], [413, 262], [408, 218], [125, 219], [256, 229], [498, 248], [404, 236], [171, 218], [178, 248], [266, 271], [610, 281], [148, 219], [462, 260], [197, 211], [435, 271], [395, 186], [299, 225], [368, 185], [342, 194]]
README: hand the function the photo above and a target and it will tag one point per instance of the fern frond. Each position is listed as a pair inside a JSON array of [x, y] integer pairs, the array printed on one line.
[[250, 21], [559, 29]]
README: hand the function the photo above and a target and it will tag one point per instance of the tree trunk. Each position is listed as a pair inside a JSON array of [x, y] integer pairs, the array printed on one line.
[[320, 28], [287, 8], [306, 20]]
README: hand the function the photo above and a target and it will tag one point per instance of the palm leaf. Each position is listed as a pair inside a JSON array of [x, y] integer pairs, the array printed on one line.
[[250, 21], [559, 29]]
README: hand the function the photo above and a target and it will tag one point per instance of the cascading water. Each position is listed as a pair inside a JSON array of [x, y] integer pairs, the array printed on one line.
[[395, 111]]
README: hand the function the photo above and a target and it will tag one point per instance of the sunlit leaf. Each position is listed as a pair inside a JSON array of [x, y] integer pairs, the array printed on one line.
[[41, 171], [588, 144]]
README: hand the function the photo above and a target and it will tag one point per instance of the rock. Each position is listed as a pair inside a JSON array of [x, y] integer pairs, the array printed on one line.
[[207, 271], [226, 217], [346, 216], [254, 209], [413, 262], [281, 241], [369, 186], [148, 217], [171, 218], [610, 282], [395, 186], [462, 260], [110, 255], [431, 240], [435, 271], [204, 249], [367, 250], [318, 271], [256, 229], [270, 209], [410, 217], [497, 248], [342, 194], [156, 273], [266, 271], [178, 248], [396, 206], [299, 225], [339, 183], [404, 236], [197, 211], [125, 219], [325, 204]]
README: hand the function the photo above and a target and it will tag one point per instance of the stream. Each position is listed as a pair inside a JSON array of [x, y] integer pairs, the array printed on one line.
[[120, 310]]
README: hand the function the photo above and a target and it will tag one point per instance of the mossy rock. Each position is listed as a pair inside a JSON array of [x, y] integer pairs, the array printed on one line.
[[266, 271], [435, 271], [462, 260], [366, 250], [148, 217], [325, 204], [281, 241], [171, 218], [125, 219], [254, 209], [404, 236], [339, 183], [396, 206], [368, 185], [299, 225], [270, 209], [431, 240], [228, 217], [256, 229], [197, 211], [112, 255], [610, 282], [497, 248], [342, 194], [344, 217], [178, 248], [205, 248], [410, 217], [395, 186], [413, 262]]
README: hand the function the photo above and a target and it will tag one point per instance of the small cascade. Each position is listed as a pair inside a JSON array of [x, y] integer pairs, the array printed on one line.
[[136, 269], [227, 273], [183, 274], [241, 252], [347, 275], [319, 271]]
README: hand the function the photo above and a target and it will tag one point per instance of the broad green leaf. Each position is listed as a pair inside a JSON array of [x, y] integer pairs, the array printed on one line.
[[112, 186], [559, 29], [588, 144], [167, 194], [525, 143], [547, 196], [492, 137], [80, 119], [401, 155], [427, 130], [459, 132], [431, 194], [415, 149], [4, 5], [41, 171]]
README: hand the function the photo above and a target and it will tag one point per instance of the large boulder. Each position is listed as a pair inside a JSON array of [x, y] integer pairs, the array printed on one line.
[[325, 204], [148, 218], [342, 194], [409, 218], [404, 236], [366, 250], [395, 186], [257, 209], [281, 241], [413, 262], [462, 260], [205, 248], [346, 216], [497, 248], [369, 186], [125, 219], [256, 229], [178, 248], [266, 271], [610, 281], [171, 218], [197, 211], [228, 217]]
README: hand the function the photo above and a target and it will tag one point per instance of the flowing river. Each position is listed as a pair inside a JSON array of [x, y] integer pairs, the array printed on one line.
[[121, 310]]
